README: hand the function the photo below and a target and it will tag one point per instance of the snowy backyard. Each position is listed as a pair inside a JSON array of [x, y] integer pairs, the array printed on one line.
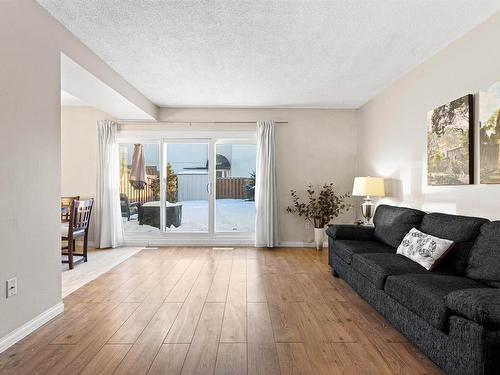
[[232, 215]]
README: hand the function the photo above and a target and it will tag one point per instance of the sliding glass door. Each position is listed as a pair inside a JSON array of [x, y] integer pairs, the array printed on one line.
[[187, 186], [194, 187], [140, 187], [234, 186]]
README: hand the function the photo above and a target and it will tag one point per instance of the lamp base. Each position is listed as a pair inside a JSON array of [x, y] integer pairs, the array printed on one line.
[[367, 209]]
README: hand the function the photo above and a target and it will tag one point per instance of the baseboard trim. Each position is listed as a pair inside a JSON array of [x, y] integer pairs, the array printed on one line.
[[299, 244], [19, 333], [211, 242], [190, 242]]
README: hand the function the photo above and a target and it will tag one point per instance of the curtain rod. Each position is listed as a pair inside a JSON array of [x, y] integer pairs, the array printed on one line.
[[123, 122]]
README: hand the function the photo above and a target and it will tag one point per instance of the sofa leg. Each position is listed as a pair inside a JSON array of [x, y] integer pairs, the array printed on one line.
[[334, 273]]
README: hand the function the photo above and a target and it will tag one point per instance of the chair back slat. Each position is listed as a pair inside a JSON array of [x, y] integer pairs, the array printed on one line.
[[80, 214]]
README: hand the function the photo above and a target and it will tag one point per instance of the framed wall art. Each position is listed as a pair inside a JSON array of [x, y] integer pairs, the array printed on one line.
[[489, 135], [450, 143]]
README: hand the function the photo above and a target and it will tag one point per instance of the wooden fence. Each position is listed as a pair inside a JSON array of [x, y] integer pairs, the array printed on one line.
[[137, 195], [231, 187]]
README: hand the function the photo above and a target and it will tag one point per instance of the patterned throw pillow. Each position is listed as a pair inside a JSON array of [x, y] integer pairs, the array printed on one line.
[[423, 248]]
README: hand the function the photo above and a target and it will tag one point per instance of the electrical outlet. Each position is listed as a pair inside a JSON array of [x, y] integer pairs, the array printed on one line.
[[11, 287]]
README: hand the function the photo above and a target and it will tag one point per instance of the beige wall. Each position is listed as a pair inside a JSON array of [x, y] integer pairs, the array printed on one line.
[[315, 146], [30, 45], [79, 152], [392, 136], [30, 165]]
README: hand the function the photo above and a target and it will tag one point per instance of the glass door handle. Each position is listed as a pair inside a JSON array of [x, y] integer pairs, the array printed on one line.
[[209, 188]]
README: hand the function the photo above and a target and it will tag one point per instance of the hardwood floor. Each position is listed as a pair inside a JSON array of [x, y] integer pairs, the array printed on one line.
[[203, 311], [99, 261]]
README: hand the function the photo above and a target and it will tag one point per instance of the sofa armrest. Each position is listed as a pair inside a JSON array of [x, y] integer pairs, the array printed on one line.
[[351, 232], [481, 305]]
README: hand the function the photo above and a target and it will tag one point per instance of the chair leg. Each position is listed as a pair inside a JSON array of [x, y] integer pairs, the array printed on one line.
[[71, 245], [85, 242]]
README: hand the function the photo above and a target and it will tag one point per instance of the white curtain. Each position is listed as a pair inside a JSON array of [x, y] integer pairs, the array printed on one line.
[[109, 232], [266, 201]]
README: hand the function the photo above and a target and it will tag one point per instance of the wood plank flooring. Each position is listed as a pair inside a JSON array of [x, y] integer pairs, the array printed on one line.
[[100, 261], [186, 310]]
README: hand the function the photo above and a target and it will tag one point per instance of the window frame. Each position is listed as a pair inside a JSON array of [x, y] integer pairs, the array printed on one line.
[[212, 237]]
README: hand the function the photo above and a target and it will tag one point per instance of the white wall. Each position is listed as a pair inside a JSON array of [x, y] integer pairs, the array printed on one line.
[[31, 42], [315, 146], [79, 152], [392, 136]]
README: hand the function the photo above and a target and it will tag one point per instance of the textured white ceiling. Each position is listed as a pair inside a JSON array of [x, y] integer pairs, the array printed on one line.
[[335, 54], [81, 84]]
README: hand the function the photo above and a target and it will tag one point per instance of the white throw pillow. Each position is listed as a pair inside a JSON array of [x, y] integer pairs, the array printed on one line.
[[423, 248]]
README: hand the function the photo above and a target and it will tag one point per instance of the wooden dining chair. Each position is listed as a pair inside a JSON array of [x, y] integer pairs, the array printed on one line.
[[66, 207], [78, 227]]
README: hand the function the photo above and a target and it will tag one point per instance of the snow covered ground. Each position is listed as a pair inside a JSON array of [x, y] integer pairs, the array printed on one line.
[[231, 215]]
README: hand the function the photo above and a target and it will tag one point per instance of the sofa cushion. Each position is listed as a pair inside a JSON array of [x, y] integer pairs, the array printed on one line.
[[346, 248], [424, 294], [484, 260], [376, 267], [350, 232], [462, 230], [392, 223], [480, 305]]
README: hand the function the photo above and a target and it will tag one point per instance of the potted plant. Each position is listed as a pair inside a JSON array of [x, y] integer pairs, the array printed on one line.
[[320, 208]]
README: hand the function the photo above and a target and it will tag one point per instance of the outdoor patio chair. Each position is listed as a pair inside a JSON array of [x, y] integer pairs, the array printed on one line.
[[128, 208]]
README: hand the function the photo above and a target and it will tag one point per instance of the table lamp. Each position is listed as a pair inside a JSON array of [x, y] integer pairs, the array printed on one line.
[[368, 187]]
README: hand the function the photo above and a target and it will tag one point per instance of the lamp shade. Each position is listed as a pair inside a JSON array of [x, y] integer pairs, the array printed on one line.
[[373, 186]]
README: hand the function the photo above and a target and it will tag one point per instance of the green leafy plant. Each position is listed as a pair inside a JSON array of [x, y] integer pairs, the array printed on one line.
[[171, 185], [320, 207], [154, 185], [250, 187]]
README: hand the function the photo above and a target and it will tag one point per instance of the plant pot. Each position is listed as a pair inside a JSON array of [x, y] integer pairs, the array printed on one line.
[[318, 238]]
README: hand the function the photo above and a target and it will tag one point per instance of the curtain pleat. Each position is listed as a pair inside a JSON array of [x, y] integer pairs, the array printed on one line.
[[109, 231], [266, 197]]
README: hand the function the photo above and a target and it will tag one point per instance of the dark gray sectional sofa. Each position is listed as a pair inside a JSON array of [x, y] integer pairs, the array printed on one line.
[[452, 313]]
